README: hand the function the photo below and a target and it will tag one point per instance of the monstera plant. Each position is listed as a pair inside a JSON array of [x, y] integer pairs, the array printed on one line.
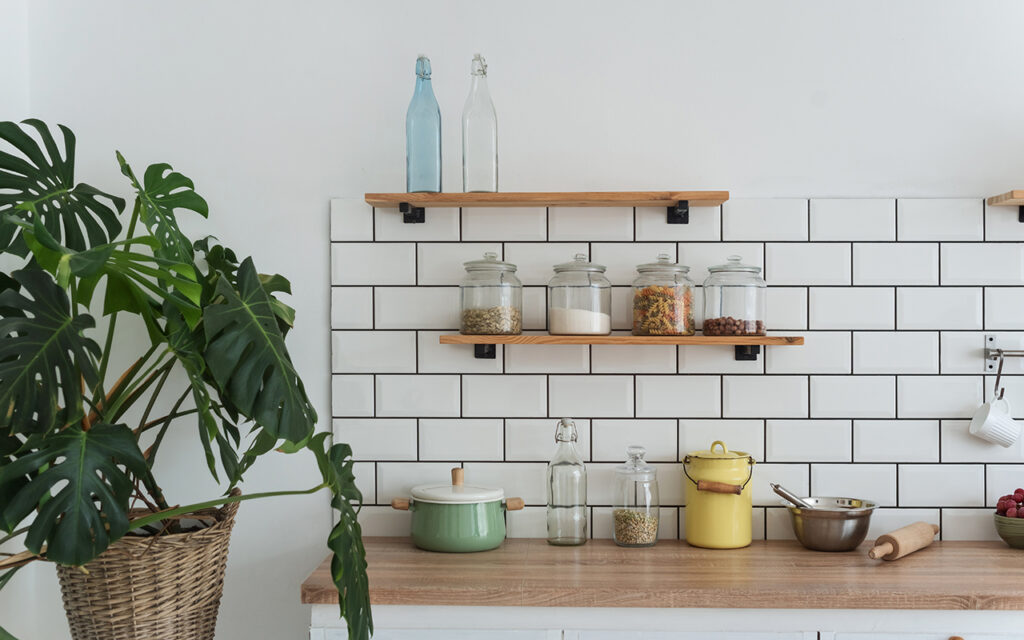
[[79, 438]]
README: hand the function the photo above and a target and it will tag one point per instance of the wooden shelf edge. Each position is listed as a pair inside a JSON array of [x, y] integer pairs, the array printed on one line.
[[551, 199], [634, 340], [1012, 198]]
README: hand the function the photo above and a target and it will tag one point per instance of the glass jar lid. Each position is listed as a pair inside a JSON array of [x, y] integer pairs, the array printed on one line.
[[580, 263], [735, 263], [489, 263], [664, 264], [636, 466]]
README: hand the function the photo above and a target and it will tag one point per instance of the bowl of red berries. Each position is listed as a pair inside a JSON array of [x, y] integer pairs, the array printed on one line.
[[1010, 519]]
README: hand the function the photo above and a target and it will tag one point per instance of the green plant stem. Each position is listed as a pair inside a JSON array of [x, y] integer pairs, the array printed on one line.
[[156, 422], [180, 511], [154, 395], [14, 534], [151, 457]]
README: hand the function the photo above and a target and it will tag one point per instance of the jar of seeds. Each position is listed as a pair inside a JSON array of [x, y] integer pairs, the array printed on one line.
[[663, 299], [491, 297], [635, 505], [734, 300]]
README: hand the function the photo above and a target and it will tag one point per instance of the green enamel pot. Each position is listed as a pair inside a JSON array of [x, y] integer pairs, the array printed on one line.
[[457, 518]]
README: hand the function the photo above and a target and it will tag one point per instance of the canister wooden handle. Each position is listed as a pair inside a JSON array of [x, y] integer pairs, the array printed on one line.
[[895, 545], [719, 487], [458, 474], [514, 504], [402, 504]]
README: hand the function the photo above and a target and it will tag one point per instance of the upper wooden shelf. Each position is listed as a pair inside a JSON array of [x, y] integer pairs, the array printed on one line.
[[1013, 198], [551, 199], [620, 339]]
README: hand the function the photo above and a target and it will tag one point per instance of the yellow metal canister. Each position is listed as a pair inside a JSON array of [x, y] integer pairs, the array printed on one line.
[[718, 500]]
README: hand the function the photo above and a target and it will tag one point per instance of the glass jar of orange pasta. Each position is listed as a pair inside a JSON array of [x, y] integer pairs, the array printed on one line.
[[663, 299]]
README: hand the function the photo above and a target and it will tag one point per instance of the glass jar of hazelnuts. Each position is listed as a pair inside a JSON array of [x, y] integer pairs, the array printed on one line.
[[734, 300]]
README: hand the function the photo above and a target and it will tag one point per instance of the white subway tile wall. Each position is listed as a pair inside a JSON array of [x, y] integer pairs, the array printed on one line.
[[893, 297]]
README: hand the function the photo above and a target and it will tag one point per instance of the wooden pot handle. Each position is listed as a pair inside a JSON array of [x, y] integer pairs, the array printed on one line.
[[514, 504], [719, 487], [402, 504]]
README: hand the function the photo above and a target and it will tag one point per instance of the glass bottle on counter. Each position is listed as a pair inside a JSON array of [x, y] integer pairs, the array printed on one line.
[[423, 135], [663, 299], [635, 507], [734, 300], [567, 489], [479, 133], [579, 299], [491, 297]]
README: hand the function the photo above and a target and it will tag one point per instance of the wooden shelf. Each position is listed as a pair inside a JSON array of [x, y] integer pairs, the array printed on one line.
[[1013, 198], [551, 199], [613, 339]]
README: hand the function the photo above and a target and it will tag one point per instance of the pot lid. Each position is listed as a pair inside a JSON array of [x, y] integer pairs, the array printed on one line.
[[735, 263], [664, 263], [579, 263], [456, 492], [720, 453], [489, 263]]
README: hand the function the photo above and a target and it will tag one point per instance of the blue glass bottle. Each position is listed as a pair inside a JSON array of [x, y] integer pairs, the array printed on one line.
[[423, 135]]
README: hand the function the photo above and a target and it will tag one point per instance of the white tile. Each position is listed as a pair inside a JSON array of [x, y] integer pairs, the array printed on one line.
[[670, 483], [373, 351], [678, 396], [895, 263], [938, 396], [853, 219], [807, 440], [536, 261], [652, 224], [852, 308], [440, 263], [822, 352], [794, 477], [396, 479], [701, 255], [351, 220], [764, 397], [435, 357], [622, 308], [549, 358], [601, 483], [351, 395], [786, 308], [896, 440], [504, 223], [611, 437], [1014, 386], [384, 521], [439, 223], [590, 223], [812, 263], [964, 351], [589, 396], [1002, 223], [604, 527], [534, 438], [504, 396], [853, 397], [351, 307], [764, 219], [417, 396], [633, 358], [479, 439], [1004, 308], [1002, 479], [968, 524], [529, 522], [535, 308], [889, 519], [519, 479], [895, 352], [874, 482], [949, 485], [958, 445], [623, 258], [716, 359], [938, 308], [983, 263], [377, 439], [373, 263], [416, 308], [365, 474], [940, 219], [778, 524], [739, 435]]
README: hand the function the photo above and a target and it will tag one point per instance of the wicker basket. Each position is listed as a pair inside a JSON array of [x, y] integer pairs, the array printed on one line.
[[152, 588]]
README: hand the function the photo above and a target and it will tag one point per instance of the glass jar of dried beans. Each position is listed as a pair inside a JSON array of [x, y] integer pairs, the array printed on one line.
[[734, 300], [663, 299]]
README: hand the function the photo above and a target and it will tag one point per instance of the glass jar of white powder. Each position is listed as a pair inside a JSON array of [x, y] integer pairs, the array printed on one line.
[[579, 299]]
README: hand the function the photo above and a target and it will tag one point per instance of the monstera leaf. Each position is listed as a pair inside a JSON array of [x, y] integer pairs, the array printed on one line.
[[44, 356], [246, 354], [85, 471], [159, 194], [42, 184]]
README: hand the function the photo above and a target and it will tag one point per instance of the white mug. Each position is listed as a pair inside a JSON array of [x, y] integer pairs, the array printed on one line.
[[992, 422]]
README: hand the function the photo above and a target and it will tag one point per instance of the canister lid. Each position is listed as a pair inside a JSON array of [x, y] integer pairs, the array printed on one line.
[[580, 263], [735, 263], [636, 466], [718, 451], [456, 492], [664, 264], [490, 262]]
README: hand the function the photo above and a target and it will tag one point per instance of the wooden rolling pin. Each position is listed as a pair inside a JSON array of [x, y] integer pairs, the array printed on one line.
[[901, 542]]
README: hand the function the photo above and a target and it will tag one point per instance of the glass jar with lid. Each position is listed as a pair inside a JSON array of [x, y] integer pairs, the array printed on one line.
[[734, 300], [635, 506], [663, 299], [491, 297], [579, 299]]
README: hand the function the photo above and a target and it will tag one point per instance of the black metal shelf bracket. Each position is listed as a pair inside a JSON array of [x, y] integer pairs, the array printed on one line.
[[411, 214], [485, 351], [1020, 213], [679, 213], [747, 351]]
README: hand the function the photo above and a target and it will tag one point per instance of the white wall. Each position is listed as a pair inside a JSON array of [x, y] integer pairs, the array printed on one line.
[[274, 107]]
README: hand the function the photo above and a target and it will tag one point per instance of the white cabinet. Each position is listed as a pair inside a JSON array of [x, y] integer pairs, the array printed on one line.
[[917, 636], [690, 635], [439, 634]]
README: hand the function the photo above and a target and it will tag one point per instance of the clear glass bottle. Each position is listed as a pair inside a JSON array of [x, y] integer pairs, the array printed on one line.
[[734, 300], [491, 297], [579, 299], [423, 135], [635, 507], [567, 489], [479, 133], [663, 299]]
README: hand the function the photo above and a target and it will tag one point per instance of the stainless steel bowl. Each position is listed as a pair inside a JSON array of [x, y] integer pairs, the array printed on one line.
[[834, 524]]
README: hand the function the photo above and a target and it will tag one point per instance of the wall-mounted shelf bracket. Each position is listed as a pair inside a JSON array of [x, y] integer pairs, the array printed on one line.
[[411, 214], [679, 213], [1020, 213], [747, 351], [485, 351]]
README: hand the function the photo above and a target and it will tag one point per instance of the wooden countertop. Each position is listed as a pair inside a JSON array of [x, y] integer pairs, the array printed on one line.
[[766, 575]]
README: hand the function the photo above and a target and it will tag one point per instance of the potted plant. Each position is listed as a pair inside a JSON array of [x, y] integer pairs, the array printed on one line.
[[78, 439]]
